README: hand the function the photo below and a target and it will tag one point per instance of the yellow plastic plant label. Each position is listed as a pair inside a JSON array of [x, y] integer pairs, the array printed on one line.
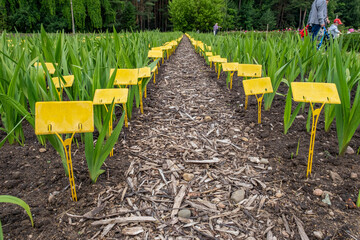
[[63, 117], [58, 82], [315, 92], [125, 76], [230, 67], [257, 86], [106, 96], [249, 70]]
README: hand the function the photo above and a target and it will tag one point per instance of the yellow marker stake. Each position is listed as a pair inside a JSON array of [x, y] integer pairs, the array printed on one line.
[[218, 62], [126, 77], [63, 118], [255, 87], [314, 93], [107, 96], [144, 72], [58, 83], [50, 66], [232, 68]]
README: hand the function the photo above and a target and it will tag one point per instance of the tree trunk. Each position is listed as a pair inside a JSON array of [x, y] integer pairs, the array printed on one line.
[[300, 19], [303, 22]]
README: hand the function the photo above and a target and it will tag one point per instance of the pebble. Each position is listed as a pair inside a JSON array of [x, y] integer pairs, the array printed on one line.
[[349, 150], [264, 161], [327, 200], [318, 235], [335, 177], [244, 139], [250, 238], [247, 129], [300, 117], [238, 196], [221, 205], [332, 213], [252, 125], [207, 119], [188, 176], [16, 175], [353, 175], [184, 213], [202, 107], [279, 194], [42, 150], [318, 192]]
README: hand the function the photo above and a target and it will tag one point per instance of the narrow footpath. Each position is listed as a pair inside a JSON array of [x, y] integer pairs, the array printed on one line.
[[188, 154]]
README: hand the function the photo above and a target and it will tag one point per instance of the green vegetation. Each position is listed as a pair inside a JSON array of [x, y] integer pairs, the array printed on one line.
[[17, 201], [286, 58]]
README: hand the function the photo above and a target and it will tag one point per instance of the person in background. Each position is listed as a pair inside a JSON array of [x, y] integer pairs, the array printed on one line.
[[334, 28], [216, 28], [318, 16]]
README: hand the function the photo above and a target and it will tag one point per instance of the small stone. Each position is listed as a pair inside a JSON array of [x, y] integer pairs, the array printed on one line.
[[188, 176], [250, 238], [247, 129], [353, 176], [207, 119], [202, 107], [318, 192], [335, 177], [327, 200], [264, 161], [16, 175], [300, 117], [42, 150], [221, 205], [184, 213], [252, 125], [244, 139], [285, 234], [349, 150], [254, 159], [198, 118], [279, 194], [238, 196], [318, 235]]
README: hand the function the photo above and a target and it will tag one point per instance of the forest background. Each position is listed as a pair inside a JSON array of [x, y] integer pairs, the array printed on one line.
[[166, 15]]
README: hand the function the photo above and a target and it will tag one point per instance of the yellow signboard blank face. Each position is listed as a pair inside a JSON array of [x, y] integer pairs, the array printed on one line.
[[211, 59], [230, 67], [155, 54], [157, 48], [125, 76], [249, 70], [69, 80], [144, 72], [257, 86], [315, 92], [49, 66], [208, 54], [106, 96], [220, 60], [63, 117]]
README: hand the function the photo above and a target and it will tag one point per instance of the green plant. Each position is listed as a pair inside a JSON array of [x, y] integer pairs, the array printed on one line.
[[96, 156], [18, 201], [358, 200]]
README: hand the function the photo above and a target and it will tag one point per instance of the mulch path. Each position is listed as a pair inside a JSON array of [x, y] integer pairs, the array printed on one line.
[[190, 151]]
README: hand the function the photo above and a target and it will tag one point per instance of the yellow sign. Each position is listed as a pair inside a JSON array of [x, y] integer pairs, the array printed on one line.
[[155, 54], [257, 86], [125, 76], [50, 67], [249, 70], [144, 72], [106, 96], [63, 117], [315, 92], [59, 83], [230, 67]]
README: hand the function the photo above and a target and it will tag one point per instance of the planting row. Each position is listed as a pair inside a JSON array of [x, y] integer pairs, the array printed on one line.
[[288, 59]]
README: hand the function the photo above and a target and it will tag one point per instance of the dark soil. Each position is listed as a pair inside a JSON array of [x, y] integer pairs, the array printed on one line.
[[33, 176]]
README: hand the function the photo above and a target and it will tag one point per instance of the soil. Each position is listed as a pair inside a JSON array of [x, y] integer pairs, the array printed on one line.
[[189, 115]]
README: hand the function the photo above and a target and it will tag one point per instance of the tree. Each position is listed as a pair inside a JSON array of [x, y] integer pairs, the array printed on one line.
[[192, 15], [267, 20]]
